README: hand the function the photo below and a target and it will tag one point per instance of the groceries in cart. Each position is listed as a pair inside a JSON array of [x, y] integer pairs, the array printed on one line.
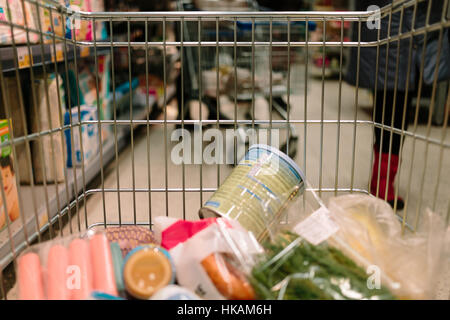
[[264, 234], [90, 266], [67, 268], [129, 237]]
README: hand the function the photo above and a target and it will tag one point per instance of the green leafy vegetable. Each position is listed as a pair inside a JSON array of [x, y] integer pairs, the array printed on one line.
[[296, 269]]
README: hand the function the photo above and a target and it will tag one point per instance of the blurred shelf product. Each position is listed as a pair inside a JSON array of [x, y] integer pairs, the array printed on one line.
[[36, 55]]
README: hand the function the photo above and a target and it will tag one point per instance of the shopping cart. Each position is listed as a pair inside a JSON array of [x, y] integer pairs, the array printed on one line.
[[335, 149], [242, 73]]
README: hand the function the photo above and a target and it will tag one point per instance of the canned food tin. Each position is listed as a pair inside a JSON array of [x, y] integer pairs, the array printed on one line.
[[257, 190]]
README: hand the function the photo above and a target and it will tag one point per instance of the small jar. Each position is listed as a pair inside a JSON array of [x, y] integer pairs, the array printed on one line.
[[147, 269]]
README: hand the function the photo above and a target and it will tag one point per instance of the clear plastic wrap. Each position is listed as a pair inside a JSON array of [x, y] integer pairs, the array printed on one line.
[[295, 269], [67, 268], [369, 226], [306, 258], [174, 292], [352, 249], [16, 15]]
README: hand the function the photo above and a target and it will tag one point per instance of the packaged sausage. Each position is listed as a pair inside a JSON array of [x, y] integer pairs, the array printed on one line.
[[130, 237], [71, 267]]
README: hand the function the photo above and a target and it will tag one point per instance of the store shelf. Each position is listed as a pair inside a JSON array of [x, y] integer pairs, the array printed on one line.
[[24, 59], [29, 213], [92, 169]]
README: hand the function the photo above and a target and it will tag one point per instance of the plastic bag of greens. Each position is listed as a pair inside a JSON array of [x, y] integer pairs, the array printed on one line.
[[414, 260], [295, 269]]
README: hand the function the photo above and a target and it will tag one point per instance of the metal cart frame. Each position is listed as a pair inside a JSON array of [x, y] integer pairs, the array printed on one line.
[[61, 201]]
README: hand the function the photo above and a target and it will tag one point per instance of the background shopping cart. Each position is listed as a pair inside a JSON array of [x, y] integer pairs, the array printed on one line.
[[131, 178], [241, 73]]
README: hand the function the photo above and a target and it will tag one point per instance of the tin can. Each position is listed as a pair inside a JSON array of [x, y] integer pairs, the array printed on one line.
[[257, 190]]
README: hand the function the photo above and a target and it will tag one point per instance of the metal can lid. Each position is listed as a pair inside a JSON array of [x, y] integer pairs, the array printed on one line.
[[147, 269], [281, 155]]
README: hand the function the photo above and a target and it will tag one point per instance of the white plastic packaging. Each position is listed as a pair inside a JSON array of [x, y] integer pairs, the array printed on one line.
[[211, 256], [414, 260]]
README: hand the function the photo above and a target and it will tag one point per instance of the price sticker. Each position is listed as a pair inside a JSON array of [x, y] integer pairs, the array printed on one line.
[[24, 58], [318, 227]]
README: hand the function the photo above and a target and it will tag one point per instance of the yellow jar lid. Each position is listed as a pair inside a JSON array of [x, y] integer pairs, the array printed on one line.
[[146, 270]]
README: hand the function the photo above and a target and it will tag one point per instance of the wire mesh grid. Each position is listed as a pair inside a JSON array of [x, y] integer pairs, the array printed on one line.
[[265, 58]]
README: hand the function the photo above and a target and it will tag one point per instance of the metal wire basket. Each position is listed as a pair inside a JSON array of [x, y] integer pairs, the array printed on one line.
[[334, 132]]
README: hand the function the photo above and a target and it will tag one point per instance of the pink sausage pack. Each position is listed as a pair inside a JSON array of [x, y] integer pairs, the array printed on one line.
[[67, 268], [80, 255]]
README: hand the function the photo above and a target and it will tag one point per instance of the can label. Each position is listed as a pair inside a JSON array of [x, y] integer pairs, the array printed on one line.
[[257, 190]]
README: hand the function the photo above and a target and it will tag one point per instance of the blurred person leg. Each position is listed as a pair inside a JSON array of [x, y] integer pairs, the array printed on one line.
[[383, 139]]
